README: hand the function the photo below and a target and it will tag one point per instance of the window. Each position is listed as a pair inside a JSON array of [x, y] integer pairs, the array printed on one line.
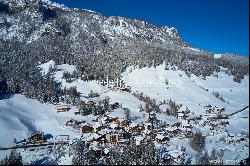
[[113, 138], [119, 137]]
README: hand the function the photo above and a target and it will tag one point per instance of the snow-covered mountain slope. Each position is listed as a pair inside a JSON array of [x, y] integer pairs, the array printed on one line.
[[30, 114], [237, 94], [53, 42], [20, 116], [189, 91]]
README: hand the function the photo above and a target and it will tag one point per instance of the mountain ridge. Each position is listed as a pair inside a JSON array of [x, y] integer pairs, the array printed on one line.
[[99, 46], [52, 8]]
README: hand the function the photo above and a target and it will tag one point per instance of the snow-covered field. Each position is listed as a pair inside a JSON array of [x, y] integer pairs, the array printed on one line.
[[20, 116]]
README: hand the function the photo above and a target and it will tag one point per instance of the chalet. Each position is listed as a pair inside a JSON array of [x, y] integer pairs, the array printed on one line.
[[185, 124], [233, 139], [138, 140], [63, 108], [98, 152], [71, 122], [230, 140], [224, 123], [97, 139], [181, 115], [62, 138], [104, 121], [123, 123], [161, 139], [208, 106], [120, 122], [97, 126], [149, 134], [177, 124], [147, 126], [106, 152], [37, 137], [114, 120], [90, 103], [209, 109], [213, 125], [136, 128], [171, 132], [86, 128], [177, 156], [188, 133], [77, 113], [115, 105], [151, 115], [203, 121], [220, 110], [81, 105], [91, 94], [115, 137], [114, 123], [125, 88]]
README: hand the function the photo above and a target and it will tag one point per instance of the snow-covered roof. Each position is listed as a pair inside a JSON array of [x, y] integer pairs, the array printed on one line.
[[159, 136], [86, 124], [104, 131], [114, 131], [175, 153], [106, 150], [185, 123], [146, 131], [147, 124], [180, 114], [133, 124], [62, 106], [182, 109], [96, 125], [139, 138], [93, 136], [119, 113], [112, 125]]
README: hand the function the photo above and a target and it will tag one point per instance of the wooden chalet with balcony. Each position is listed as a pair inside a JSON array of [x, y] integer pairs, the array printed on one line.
[[62, 108], [35, 138], [87, 128]]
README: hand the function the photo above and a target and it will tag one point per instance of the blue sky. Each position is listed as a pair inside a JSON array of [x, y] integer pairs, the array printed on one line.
[[214, 25]]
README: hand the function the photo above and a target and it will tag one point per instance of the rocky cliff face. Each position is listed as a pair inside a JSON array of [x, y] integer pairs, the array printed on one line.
[[32, 20]]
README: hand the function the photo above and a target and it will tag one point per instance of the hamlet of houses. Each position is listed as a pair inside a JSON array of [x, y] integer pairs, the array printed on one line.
[[113, 126]]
